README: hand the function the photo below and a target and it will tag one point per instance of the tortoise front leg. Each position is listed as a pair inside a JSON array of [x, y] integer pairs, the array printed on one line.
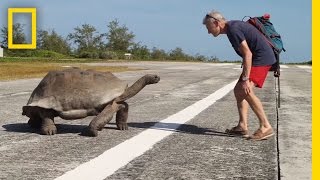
[[102, 119], [122, 117]]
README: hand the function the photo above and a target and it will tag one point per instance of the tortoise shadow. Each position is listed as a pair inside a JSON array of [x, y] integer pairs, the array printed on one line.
[[71, 128], [25, 128], [19, 128]]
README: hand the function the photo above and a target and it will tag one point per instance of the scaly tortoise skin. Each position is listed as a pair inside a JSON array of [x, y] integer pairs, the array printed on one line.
[[74, 93]]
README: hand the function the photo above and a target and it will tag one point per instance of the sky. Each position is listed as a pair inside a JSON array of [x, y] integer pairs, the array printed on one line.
[[167, 24]]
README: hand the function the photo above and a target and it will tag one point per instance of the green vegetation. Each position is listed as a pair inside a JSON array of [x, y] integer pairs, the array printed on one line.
[[303, 63], [87, 43]]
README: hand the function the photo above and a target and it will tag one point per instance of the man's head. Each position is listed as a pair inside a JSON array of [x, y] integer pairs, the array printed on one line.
[[215, 23]]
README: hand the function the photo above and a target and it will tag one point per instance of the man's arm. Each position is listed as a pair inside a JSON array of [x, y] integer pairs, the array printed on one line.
[[247, 59], [247, 62]]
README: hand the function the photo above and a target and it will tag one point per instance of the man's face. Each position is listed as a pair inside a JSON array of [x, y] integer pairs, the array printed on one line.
[[213, 28]]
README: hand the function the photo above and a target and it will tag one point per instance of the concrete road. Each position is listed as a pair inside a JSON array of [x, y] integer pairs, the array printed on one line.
[[176, 130]]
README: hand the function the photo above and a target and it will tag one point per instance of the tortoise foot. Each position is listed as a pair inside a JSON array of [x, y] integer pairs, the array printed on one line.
[[49, 130], [122, 126], [90, 132]]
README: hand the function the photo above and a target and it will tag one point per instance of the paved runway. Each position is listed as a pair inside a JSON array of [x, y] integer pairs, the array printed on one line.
[[179, 123]]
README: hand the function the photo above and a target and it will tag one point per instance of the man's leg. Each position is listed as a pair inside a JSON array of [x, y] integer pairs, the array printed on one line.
[[243, 102], [257, 108], [243, 107]]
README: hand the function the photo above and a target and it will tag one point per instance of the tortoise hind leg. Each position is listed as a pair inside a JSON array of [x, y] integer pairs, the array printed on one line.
[[47, 127], [122, 117], [33, 113], [35, 122], [102, 119]]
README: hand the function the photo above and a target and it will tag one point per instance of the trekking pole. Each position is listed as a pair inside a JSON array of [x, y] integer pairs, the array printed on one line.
[[278, 92], [277, 75]]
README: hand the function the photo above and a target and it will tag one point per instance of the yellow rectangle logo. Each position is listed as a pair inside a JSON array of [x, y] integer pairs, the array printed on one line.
[[33, 12]]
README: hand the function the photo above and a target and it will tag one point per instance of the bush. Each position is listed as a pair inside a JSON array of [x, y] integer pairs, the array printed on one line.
[[89, 54], [32, 53], [108, 55], [47, 54]]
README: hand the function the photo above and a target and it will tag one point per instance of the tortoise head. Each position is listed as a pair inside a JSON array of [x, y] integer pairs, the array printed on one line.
[[152, 78]]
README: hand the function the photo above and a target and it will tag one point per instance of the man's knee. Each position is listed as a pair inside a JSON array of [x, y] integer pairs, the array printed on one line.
[[239, 93]]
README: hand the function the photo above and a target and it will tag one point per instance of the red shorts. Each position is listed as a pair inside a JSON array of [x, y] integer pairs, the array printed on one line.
[[258, 75]]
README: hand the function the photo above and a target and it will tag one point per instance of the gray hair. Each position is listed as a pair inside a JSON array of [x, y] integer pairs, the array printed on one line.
[[213, 16]]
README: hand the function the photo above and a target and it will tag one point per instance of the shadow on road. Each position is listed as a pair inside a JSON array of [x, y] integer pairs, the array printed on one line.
[[180, 128], [71, 128], [25, 128]]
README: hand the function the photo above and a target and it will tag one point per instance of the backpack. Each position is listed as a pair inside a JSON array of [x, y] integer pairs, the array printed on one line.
[[273, 38]]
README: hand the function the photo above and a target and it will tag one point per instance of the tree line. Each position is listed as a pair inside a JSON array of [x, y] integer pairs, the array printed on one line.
[[86, 42]]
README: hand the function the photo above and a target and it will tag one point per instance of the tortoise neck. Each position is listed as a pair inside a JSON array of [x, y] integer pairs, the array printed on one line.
[[134, 89]]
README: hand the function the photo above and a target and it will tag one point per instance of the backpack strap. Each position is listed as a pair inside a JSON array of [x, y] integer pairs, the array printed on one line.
[[246, 17]]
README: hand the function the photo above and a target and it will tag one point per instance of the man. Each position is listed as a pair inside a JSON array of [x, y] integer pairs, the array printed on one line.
[[257, 59]]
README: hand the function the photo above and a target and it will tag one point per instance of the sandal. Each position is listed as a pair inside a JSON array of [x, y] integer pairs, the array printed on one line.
[[259, 135], [237, 131]]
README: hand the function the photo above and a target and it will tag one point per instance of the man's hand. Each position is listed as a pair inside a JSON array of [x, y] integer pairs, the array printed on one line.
[[246, 86]]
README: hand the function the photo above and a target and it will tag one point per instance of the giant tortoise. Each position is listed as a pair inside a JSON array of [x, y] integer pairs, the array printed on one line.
[[75, 93]]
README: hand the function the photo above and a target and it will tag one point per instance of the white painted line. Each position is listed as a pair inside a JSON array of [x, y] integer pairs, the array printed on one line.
[[193, 68], [305, 67], [284, 66], [14, 94], [221, 64], [113, 159]]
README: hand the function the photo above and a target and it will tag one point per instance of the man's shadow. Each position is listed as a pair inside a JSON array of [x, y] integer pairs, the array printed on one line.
[[71, 128], [179, 128]]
